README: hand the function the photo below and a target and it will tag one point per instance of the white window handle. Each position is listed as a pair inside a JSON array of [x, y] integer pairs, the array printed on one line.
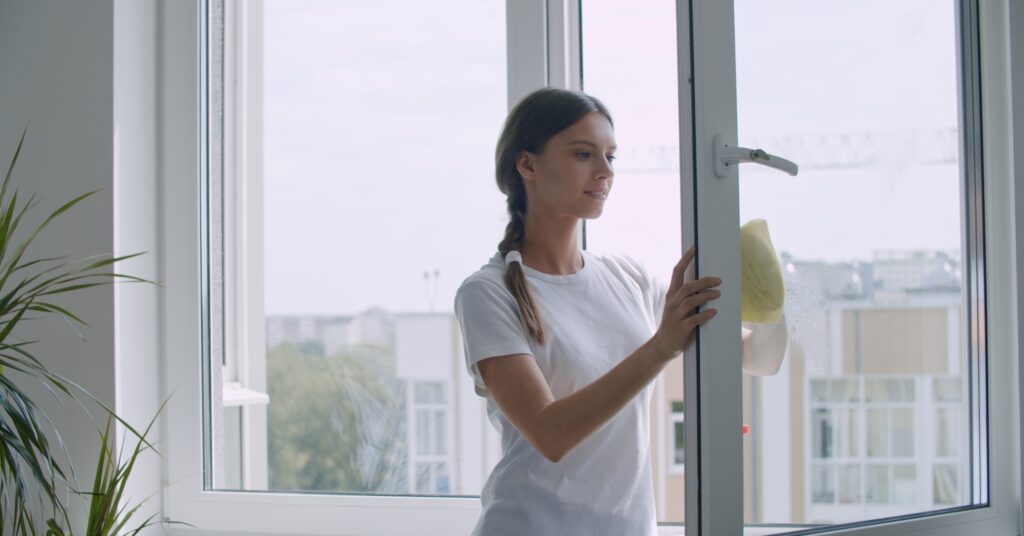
[[727, 154]]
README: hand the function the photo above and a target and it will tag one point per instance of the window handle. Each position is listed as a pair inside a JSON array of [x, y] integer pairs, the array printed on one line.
[[728, 154]]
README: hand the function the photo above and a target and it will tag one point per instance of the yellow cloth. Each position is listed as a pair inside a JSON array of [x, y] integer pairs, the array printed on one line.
[[762, 293]]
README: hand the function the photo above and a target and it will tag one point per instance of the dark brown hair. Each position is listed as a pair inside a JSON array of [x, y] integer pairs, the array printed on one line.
[[531, 123]]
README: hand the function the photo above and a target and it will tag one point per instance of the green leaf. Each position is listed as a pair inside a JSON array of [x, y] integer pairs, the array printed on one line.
[[30, 443], [14, 160], [20, 250], [51, 308]]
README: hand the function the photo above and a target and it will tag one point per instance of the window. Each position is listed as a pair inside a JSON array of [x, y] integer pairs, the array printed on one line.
[[883, 242], [358, 360], [887, 452], [430, 453], [677, 444], [920, 436]]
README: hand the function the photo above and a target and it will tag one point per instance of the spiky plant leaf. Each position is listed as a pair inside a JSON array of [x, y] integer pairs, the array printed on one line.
[[32, 467]]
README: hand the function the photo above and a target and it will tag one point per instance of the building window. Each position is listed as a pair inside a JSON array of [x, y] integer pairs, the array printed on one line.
[[430, 456], [882, 466], [677, 437]]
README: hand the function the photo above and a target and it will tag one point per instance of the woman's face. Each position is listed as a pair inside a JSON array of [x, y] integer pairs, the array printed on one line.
[[573, 176]]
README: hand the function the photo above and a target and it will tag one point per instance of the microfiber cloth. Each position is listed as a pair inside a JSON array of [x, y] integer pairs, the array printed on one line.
[[762, 293]]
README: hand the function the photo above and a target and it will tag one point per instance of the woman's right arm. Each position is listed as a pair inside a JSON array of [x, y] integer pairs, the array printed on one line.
[[555, 427]]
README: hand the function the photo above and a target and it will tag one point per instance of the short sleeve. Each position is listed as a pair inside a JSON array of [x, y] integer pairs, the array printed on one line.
[[489, 319]]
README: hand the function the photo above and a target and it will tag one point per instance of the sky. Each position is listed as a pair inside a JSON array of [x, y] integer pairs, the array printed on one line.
[[380, 133]]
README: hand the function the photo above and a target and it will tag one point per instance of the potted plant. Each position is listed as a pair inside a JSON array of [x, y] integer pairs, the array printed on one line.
[[32, 466]]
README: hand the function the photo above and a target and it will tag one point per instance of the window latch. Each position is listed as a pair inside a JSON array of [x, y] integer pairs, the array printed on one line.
[[727, 154]]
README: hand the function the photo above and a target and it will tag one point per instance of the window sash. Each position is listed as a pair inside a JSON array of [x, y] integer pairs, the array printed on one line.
[[708, 96]]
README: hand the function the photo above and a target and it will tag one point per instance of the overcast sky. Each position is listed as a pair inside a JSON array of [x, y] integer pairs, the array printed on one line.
[[381, 120]]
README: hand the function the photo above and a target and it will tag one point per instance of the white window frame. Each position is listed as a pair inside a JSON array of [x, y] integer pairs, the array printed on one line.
[[244, 379], [713, 495], [538, 31], [714, 484]]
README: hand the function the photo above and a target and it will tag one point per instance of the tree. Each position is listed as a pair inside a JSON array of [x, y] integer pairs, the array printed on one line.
[[335, 423]]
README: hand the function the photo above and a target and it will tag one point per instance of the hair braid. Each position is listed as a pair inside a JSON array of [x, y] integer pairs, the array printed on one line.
[[528, 127], [515, 278]]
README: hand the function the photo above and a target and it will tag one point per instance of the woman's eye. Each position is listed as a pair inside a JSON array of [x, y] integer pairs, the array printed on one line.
[[611, 158], [583, 154]]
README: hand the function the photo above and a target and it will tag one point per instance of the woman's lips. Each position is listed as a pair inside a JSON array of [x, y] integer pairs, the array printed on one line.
[[597, 194]]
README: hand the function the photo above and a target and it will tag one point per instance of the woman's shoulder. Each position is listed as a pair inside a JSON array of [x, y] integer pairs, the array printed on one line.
[[488, 278]]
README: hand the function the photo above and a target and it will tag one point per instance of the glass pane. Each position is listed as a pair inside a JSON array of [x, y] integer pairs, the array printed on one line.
[[888, 390], [868, 239], [822, 484], [821, 445], [441, 480], [849, 490], [679, 443], [902, 432], [878, 484], [629, 62], [947, 432], [948, 389], [849, 433], [440, 436], [904, 484], [834, 390], [422, 432], [945, 485], [878, 433], [429, 393], [364, 237], [424, 478]]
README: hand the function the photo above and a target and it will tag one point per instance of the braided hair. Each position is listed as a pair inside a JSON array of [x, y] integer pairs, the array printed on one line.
[[532, 122]]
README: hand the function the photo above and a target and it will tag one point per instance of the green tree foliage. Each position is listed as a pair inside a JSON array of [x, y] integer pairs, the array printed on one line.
[[335, 423]]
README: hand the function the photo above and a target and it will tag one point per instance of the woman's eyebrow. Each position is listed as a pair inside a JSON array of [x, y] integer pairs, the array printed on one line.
[[585, 142]]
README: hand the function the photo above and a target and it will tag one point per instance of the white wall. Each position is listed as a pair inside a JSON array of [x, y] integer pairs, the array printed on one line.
[[83, 104], [58, 79]]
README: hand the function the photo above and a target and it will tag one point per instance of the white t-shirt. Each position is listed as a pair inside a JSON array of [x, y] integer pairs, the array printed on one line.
[[593, 319]]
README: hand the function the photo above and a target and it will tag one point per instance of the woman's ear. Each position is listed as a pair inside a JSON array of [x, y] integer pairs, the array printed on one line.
[[525, 166]]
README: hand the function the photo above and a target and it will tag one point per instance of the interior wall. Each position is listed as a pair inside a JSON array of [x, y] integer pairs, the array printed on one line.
[[90, 118], [57, 81]]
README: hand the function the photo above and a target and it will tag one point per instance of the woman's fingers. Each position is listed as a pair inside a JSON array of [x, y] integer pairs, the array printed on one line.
[[699, 319], [703, 283], [692, 287], [692, 302], [679, 273], [685, 296]]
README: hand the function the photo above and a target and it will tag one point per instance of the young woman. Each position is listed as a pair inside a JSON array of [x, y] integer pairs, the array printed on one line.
[[564, 344]]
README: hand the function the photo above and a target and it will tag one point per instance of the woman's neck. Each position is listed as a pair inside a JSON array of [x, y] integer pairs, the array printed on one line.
[[550, 245]]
